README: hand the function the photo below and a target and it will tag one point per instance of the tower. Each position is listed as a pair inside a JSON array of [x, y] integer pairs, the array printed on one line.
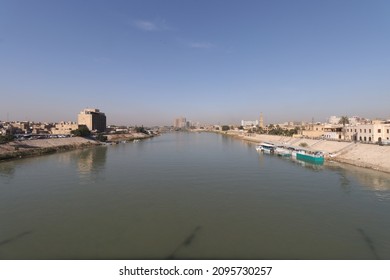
[[261, 121]]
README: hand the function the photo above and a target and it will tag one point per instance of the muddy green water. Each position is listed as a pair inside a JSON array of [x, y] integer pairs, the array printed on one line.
[[190, 196]]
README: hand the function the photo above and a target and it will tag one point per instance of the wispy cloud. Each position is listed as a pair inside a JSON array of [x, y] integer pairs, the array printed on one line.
[[145, 25], [201, 45]]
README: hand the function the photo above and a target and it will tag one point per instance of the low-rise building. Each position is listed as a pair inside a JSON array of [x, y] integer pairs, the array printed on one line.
[[64, 128], [374, 132], [249, 123]]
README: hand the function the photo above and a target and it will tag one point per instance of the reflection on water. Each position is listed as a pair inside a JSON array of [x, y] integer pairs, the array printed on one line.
[[378, 182], [194, 196], [91, 160], [7, 169]]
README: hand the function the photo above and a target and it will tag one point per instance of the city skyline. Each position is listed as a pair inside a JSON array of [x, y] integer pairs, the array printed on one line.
[[147, 62]]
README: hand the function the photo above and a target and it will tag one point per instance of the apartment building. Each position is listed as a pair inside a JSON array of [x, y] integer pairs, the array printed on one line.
[[93, 119]]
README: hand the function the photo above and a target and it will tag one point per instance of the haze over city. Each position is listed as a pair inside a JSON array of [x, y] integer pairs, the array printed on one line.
[[147, 62]]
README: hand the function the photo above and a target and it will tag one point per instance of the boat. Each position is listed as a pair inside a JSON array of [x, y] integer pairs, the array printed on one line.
[[135, 140], [283, 151], [310, 156], [266, 148]]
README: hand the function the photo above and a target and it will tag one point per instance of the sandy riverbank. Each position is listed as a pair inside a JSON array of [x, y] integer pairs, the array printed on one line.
[[364, 155], [29, 148], [127, 136]]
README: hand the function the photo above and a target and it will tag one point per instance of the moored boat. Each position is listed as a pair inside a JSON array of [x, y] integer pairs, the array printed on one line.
[[310, 156], [266, 148], [283, 151]]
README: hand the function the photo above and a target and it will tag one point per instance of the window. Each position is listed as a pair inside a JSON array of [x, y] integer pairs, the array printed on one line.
[[355, 130], [379, 130], [369, 130], [387, 131], [365, 130], [360, 130]]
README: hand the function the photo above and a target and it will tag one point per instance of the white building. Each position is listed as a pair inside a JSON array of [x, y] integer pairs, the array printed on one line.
[[250, 123], [377, 131]]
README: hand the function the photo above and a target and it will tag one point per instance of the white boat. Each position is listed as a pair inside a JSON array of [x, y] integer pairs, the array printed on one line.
[[135, 140], [266, 148], [283, 151]]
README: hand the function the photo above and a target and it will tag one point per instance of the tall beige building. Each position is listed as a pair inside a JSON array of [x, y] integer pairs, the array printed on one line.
[[93, 119], [180, 123]]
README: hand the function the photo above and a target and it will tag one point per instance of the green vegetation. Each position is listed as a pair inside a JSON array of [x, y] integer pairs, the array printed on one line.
[[82, 131], [277, 130], [304, 145], [140, 130], [101, 137], [344, 120], [225, 128], [6, 138]]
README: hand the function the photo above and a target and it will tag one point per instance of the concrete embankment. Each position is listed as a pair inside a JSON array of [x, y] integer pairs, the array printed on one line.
[[29, 148], [364, 155]]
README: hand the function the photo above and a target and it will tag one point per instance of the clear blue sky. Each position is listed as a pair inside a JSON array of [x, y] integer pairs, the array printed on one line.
[[147, 62]]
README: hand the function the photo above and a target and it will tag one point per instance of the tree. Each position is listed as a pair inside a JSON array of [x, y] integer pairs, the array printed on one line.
[[6, 138], [101, 137], [344, 120], [225, 128], [140, 130], [82, 131]]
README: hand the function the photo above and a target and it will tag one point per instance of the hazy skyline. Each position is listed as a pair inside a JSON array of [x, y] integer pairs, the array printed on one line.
[[149, 62]]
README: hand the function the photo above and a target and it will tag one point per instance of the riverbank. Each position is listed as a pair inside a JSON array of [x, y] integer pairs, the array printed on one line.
[[363, 155], [30, 148], [127, 137]]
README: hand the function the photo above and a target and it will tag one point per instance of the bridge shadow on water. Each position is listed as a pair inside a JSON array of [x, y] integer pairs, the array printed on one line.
[[369, 242], [187, 242], [14, 238]]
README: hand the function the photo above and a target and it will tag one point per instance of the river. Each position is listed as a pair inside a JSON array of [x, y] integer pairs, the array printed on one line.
[[190, 196]]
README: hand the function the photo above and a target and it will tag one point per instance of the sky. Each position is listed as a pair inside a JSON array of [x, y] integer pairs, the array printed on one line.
[[145, 62]]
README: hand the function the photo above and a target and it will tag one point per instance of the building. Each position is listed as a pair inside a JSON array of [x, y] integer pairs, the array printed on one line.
[[180, 123], [374, 132], [249, 123], [64, 128], [261, 121], [93, 119]]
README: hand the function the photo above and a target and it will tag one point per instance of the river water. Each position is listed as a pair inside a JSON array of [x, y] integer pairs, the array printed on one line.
[[190, 196]]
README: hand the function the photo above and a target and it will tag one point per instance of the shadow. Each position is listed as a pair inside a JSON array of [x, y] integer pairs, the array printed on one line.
[[12, 239], [187, 242], [369, 242], [344, 181]]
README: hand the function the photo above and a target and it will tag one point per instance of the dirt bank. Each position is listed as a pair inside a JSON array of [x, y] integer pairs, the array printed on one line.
[[127, 136], [29, 148]]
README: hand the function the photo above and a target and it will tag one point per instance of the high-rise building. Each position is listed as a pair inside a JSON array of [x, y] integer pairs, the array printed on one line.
[[93, 119], [261, 121], [180, 123]]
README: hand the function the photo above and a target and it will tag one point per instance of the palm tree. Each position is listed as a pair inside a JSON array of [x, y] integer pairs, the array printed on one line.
[[344, 120]]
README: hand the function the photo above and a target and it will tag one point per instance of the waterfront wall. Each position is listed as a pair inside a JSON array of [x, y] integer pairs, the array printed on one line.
[[358, 154]]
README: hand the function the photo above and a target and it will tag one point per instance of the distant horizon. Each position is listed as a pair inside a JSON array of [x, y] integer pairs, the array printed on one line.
[[191, 120], [148, 62]]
